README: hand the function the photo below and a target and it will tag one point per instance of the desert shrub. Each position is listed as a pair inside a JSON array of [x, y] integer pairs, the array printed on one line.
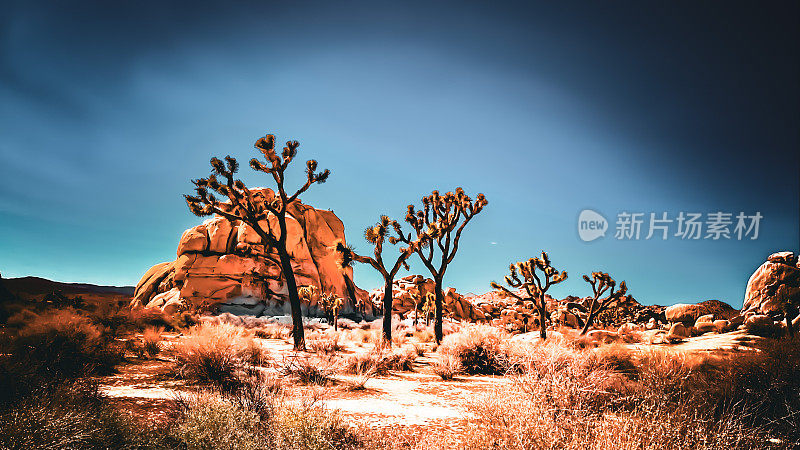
[[380, 360], [402, 359], [308, 370], [511, 420], [258, 393], [326, 344], [55, 346], [210, 422], [72, 415], [447, 366], [481, 349], [214, 353], [425, 335], [364, 336], [152, 340], [313, 427], [185, 320]]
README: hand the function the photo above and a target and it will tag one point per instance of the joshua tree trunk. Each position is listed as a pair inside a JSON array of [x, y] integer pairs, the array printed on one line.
[[542, 321], [437, 324], [790, 312], [294, 300], [351, 292], [387, 311]]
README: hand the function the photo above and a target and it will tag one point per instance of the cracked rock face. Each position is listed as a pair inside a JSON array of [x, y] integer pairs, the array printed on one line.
[[221, 266]]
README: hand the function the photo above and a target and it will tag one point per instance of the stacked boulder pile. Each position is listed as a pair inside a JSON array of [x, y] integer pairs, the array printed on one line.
[[411, 291], [710, 316]]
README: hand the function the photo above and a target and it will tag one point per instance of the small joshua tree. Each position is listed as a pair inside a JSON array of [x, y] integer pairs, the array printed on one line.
[[601, 283], [535, 286], [429, 307], [331, 303], [416, 296], [438, 226], [255, 209], [377, 235]]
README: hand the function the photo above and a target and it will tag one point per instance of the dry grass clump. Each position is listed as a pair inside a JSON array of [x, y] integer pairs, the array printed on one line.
[[210, 421], [363, 336], [425, 335], [152, 340], [480, 349], [309, 370], [327, 344], [447, 366], [615, 397], [214, 353], [72, 415], [272, 331], [380, 360]]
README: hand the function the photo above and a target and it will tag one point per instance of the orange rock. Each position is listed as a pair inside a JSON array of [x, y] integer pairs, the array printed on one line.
[[772, 284], [193, 240]]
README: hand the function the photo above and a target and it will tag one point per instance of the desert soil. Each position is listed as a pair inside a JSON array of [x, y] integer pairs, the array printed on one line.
[[418, 401]]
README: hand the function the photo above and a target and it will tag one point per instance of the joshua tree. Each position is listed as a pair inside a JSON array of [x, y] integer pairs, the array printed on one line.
[[438, 226], [331, 304], [533, 285], [429, 307], [255, 208], [377, 235], [602, 282]]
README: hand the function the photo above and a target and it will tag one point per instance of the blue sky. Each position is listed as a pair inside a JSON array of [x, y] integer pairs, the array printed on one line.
[[107, 112]]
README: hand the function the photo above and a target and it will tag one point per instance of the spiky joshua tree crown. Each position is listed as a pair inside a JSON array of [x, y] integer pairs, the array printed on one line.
[[242, 203]]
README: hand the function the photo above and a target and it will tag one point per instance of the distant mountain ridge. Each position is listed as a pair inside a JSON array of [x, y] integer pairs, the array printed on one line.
[[35, 286]]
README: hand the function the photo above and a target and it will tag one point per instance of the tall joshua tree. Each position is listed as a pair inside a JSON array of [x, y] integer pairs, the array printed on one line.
[[602, 282], [534, 285], [377, 235], [255, 209], [438, 227]]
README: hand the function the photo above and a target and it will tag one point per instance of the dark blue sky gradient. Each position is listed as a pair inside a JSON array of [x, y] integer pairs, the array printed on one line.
[[107, 110]]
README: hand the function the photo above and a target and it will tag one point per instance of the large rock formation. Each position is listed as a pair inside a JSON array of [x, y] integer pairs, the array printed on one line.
[[774, 286], [223, 267]]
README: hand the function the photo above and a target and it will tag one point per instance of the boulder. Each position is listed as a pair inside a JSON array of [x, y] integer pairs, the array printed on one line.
[[705, 318], [773, 287], [721, 325], [679, 330], [194, 239], [690, 313], [759, 320], [222, 266], [603, 336], [705, 327], [682, 312]]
